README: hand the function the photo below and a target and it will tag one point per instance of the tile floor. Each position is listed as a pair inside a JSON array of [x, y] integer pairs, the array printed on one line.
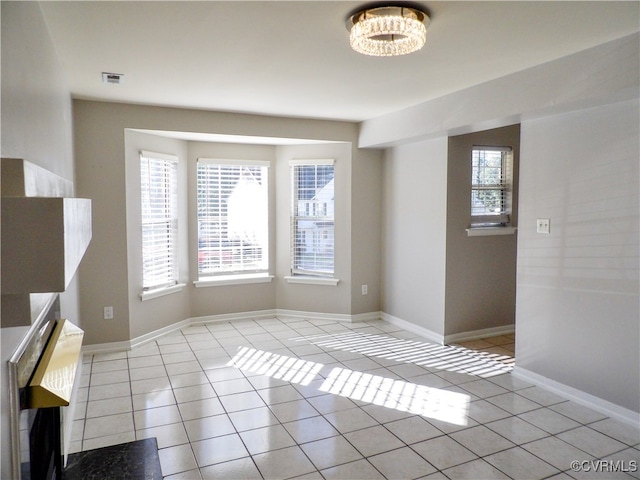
[[324, 400]]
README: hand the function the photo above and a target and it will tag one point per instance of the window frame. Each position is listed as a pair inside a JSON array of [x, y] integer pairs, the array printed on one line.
[[311, 276], [171, 220], [233, 276], [499, 222]]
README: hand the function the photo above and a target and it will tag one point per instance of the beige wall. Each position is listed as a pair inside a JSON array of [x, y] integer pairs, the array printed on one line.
[[481, 271], [110, 270], [315, 298], [366, 226], [152, 315], [231, 298]]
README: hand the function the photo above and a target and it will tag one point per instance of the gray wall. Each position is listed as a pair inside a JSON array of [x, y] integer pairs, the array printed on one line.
[[36, 126], [577, 300], [577, 305], [414, 233], [481, 271], [36, 105]]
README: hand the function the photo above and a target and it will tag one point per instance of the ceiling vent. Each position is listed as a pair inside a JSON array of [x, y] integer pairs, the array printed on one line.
[[112, 78]]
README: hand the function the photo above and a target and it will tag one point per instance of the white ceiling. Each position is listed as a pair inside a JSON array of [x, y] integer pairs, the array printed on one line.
[[292, 58]]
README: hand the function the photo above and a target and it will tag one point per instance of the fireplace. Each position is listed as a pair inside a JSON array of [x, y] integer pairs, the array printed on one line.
[[45, 233], [41, 379]]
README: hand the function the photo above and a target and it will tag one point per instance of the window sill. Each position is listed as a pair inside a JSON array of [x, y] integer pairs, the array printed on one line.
[[313, 280], [161, 292], [489, 231], [234, 280]]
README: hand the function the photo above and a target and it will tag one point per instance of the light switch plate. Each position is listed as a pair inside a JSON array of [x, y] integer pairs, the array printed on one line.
[[543, 225]]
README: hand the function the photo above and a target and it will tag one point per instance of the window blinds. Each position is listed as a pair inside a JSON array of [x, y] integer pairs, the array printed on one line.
[[233, 217], [491, 174], [159, 204], [312, 217]]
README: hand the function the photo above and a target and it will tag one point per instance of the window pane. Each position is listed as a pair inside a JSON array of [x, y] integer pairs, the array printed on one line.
[[232, 219], [313, 220], [491, 186], [158, 184]]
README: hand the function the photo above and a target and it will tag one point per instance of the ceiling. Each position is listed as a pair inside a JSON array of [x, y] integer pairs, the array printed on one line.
[[292, 58]]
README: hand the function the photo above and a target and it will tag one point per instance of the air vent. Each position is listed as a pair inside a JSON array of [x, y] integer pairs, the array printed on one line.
[[112, 78]]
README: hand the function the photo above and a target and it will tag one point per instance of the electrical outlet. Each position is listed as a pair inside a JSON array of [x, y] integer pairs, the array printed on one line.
[[543, 225], [365, 289], [108, 313]]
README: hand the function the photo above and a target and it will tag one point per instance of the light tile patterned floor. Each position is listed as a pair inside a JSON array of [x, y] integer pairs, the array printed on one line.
[[319, 399]]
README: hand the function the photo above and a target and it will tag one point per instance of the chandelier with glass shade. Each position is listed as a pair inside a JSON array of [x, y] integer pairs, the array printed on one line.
[[388, 31]]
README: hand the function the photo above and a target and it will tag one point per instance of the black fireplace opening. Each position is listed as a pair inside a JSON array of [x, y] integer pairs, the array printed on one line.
[[45, 446], [40, 435]]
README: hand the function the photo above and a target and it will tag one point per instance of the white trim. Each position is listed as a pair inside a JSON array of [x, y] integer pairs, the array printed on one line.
[[313, 280], [366, 317], [218, 281], [226, 161], [161, 292], [295, 315], [492, 148], [159, 156], [231, 317], [482, 333], [311, 161], [605, 407], [110, 347], [284, 315], [154, 335], [413, 328], [488, 231]]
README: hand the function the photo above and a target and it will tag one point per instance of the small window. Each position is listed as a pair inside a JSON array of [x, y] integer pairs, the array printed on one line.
[[233, 217], [159, 202], [312, 218], [491, 179]]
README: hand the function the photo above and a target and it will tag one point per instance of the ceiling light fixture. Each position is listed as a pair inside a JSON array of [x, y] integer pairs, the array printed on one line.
[[388, 31]]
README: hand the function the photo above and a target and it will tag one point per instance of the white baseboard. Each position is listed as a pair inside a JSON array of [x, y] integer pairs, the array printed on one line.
[[477, 334], [285, 315], [233, 317], [413, 328], [366, 317], [98, 348], [288, 315], [605, 407]]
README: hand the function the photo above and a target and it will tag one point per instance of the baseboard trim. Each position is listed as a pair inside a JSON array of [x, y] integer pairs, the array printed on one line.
[[605, 407], [413, 328], [233, 317], [477, 334], [110, 347], [284, 315]]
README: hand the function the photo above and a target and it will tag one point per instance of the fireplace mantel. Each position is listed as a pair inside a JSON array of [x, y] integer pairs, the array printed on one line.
[[45, 233]]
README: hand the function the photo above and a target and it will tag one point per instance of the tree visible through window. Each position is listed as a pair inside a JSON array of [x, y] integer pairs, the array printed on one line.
[[312, 218], [491, 175], [233, 211]]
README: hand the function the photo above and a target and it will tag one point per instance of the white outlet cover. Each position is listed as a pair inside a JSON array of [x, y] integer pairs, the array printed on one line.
[[543, 225]]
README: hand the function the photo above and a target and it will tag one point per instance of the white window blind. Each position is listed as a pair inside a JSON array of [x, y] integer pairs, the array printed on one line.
[[159, 202], [491, 177], [312, 218], [233, 217]]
